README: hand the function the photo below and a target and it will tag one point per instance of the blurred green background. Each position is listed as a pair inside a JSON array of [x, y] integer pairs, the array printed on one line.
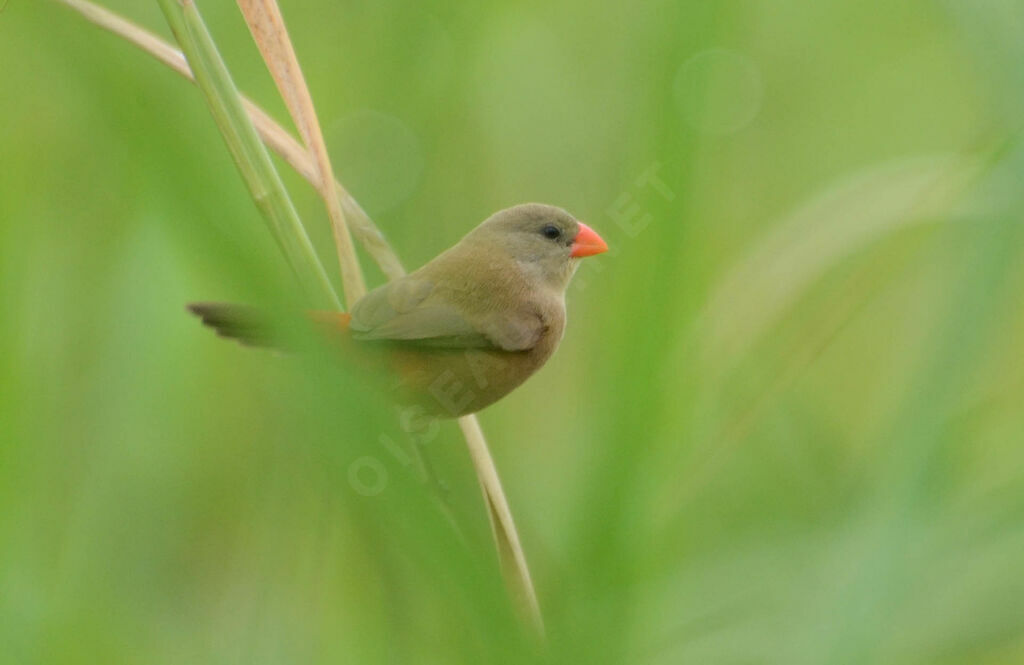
[[784, 426]]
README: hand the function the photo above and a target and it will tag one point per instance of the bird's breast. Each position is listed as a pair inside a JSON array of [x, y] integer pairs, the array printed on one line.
[[454, 382]]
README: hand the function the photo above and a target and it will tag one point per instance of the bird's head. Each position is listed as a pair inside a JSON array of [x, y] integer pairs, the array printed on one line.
[[544, 239]]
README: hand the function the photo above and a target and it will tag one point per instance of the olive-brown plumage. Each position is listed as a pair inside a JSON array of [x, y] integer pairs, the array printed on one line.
[[469, 326]]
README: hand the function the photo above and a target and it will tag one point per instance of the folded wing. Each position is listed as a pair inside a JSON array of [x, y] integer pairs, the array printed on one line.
[[412, 309]]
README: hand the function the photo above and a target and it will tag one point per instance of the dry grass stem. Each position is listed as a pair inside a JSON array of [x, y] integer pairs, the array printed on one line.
[[268, 30], [271, 36], [510, 552], [273, 134], [506, 537]]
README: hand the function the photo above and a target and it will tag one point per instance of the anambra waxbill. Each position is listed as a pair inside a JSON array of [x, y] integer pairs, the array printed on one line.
[[469, 326]]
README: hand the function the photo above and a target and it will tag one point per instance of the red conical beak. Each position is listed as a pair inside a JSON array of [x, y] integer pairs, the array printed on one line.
[[587, 243]]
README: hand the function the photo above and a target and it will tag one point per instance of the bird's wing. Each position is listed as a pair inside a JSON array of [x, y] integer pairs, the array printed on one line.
[[404, 310], [514, 331]]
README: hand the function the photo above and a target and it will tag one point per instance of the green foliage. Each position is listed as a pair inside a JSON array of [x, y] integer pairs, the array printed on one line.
[[784, 425]]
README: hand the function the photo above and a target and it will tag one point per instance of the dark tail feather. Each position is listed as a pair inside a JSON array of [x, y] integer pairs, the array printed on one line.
[[257, 327], [247, 325]]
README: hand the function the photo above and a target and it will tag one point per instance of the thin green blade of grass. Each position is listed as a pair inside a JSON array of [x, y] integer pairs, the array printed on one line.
[[271, 36], [274, 135], [510, 552], [248, 151]]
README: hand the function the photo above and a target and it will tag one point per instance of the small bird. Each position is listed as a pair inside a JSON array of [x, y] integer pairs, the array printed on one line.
[[468, 327]]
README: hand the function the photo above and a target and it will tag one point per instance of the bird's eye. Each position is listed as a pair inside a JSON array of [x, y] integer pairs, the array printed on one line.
[[550, 232]]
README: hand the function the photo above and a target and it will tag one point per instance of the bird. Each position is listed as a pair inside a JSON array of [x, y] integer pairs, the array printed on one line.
[[466, 328]]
